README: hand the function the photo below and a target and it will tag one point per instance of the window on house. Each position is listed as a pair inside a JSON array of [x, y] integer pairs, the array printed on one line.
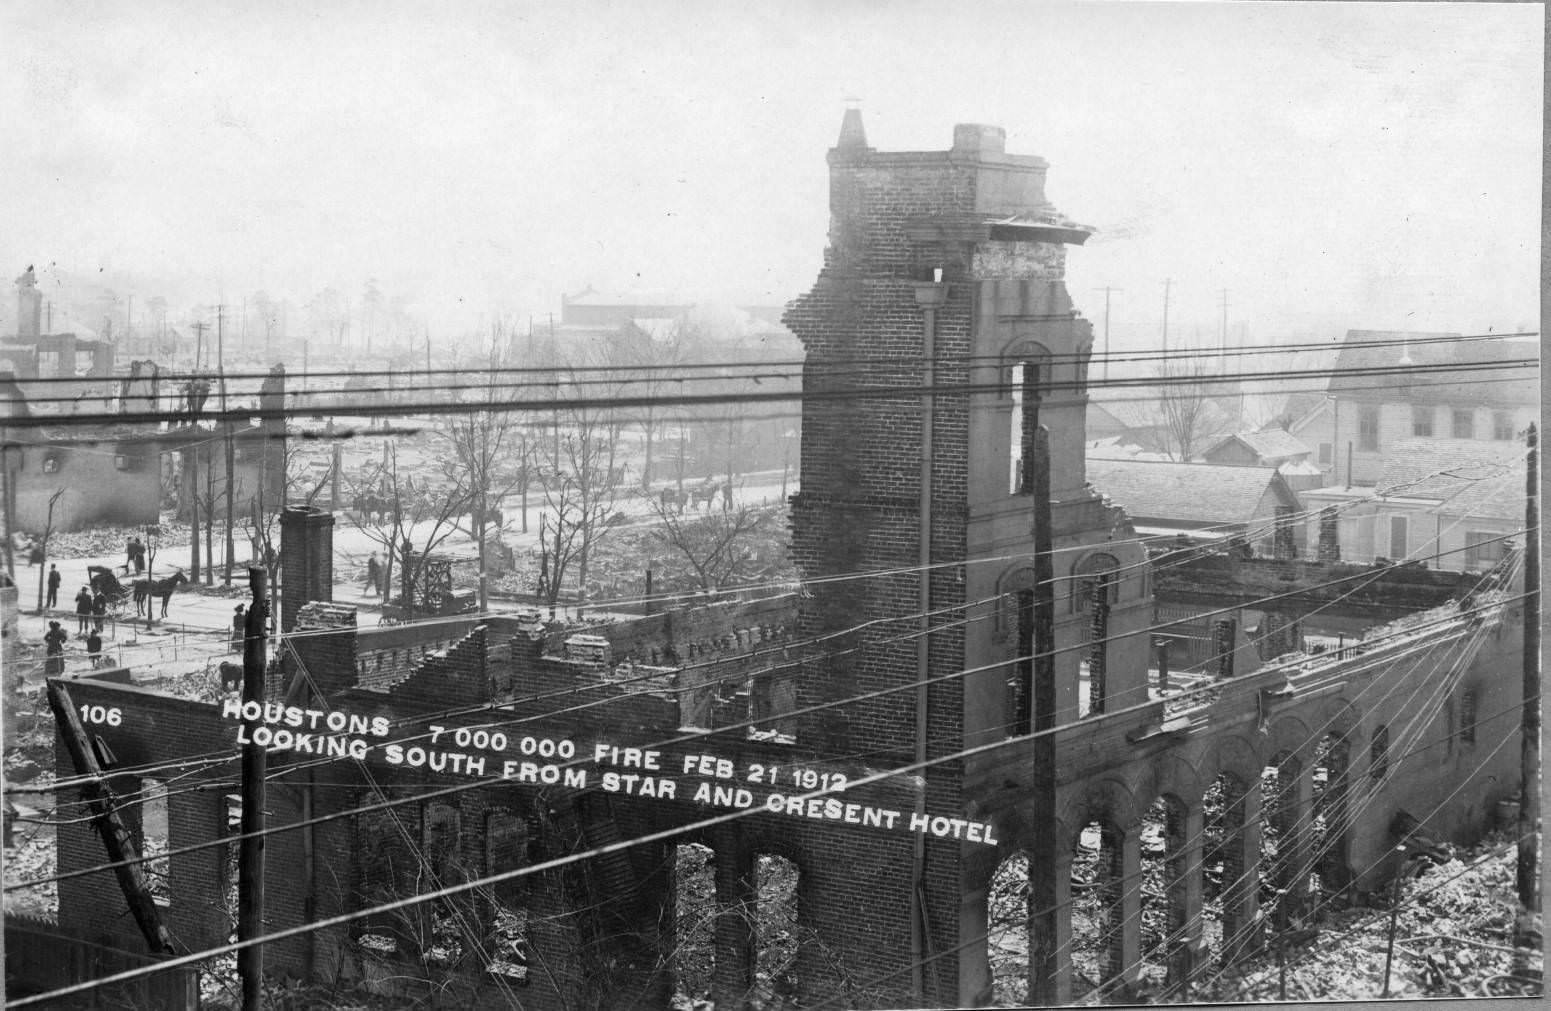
[[1422, 420], [1399, 530], [1325, 454], [1482, 548], [1464, 423], [1368, 429], [1502, 426], [50, 464]]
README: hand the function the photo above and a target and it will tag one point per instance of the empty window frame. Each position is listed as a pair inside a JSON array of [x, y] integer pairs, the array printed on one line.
[[1368, 428]]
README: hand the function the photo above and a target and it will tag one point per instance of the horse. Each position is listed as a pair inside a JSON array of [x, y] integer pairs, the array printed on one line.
[[145, 589], [706, 493], [673, 499]]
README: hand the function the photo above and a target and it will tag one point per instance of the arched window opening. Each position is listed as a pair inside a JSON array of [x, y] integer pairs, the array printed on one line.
[[447, 923], [153, 840], [386, 870], [1283, 876], [1467, 716], [506, 915], [776, 934], [1089, 574], [1223, 865], [1329, 822], [1098, 955], [693, 959], [1378, 752], [1009, 931], [1026, 376], [1164, 910]]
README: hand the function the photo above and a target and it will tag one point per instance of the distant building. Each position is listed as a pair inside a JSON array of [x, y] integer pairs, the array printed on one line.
[[1438, 387], [1198, 499], [1448, 504], [1257, 449]]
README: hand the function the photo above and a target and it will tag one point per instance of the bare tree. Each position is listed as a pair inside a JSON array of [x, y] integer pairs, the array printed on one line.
[[261, 524], [205, 501], [715, 545], [48, 531], [390, 507], [482, 443], [580, 490], [649, 357], [1183, 399]]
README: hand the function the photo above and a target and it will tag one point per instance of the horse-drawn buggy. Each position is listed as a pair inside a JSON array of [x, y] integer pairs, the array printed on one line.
[[103, 581], [141, 591]]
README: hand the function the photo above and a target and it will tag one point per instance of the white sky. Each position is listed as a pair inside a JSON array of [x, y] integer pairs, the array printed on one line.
[[1331, 164]]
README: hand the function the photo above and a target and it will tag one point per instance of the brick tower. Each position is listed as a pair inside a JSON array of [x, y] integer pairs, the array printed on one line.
[[939, 340]]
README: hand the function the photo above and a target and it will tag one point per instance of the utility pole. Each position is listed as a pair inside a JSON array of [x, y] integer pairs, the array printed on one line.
[[1167, 282], [1529, 724], [250, 855], [1044, 960], [1106, 290], [1223, 336], [227, 434], [199, 329]]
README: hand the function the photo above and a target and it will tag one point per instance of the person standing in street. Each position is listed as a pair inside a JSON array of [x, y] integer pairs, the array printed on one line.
[[54, 640], [239, 629], [53, 587], [374, 575], [99, 609], [83, 610]]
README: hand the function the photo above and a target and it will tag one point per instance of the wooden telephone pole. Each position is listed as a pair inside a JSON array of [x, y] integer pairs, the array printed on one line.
[[1107, 290], [1529, 722], [226, 429], [1045, 958], [250, 855]]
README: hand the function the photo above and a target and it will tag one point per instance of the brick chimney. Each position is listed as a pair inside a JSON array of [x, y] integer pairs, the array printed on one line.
[[29, 308], [306, 560]]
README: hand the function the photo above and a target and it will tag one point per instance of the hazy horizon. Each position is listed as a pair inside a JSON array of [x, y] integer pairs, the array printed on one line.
[[1331, 165]]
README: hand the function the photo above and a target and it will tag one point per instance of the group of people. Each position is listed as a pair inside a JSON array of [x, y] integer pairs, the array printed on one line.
[[134, 555], [54, 643], [90, 609]]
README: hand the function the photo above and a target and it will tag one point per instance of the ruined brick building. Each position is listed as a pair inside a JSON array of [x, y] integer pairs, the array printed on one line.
[[941, 444]]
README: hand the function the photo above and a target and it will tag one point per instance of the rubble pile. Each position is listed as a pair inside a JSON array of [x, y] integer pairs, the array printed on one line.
[[104, 541], [1454, 937]]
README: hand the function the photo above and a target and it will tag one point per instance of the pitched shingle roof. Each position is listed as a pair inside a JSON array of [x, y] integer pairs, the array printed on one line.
[[1499, 497], [1475, 382], [1272, 444], [1440, 468], [1186, 492]]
